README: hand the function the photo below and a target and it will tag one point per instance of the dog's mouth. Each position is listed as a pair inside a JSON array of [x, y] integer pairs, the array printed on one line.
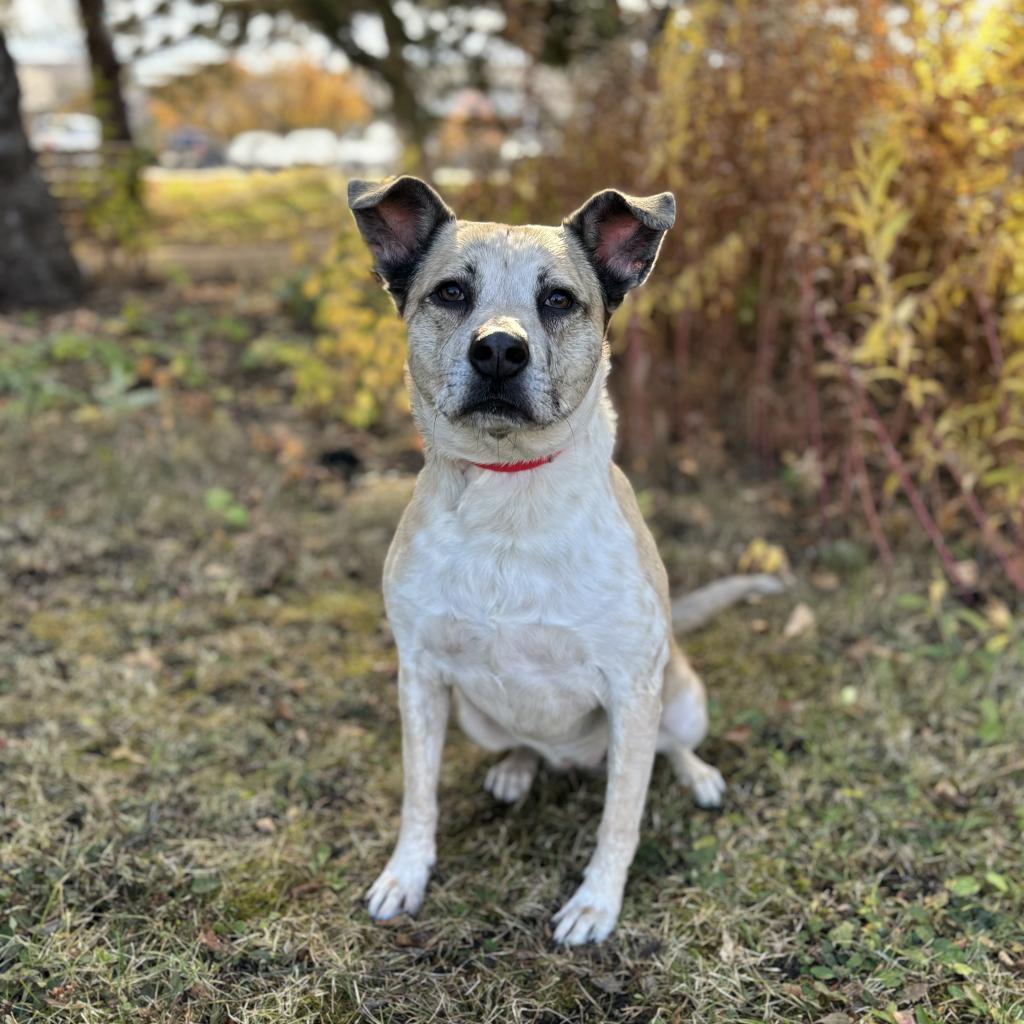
[[499, 410], [500, 407]]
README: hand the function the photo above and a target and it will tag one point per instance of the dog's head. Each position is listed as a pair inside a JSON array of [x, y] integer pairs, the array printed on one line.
[[506, 324]]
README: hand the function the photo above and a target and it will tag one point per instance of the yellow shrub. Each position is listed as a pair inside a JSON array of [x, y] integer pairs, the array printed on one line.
[[353, 370]]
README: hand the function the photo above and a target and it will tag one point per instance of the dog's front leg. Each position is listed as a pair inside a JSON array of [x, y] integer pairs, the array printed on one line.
[[591, 913], [424, 708]]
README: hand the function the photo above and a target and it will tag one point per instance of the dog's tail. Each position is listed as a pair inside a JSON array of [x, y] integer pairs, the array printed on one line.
[[693, 610]]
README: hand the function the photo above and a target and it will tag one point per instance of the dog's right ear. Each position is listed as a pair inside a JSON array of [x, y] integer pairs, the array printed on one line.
[[397, 219]]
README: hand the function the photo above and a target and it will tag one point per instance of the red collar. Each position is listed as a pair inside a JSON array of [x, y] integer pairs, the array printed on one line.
[[516, 467]]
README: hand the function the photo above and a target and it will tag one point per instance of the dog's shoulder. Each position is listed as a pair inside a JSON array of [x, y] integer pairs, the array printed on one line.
[[413, 518], [650, 561], [434, 491]]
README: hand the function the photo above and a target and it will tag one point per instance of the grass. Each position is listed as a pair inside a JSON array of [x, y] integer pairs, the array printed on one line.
[[245, 207], [200, 755]]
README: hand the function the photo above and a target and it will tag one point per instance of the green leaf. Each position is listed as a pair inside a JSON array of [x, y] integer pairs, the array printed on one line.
[[990, 728], [237, 516], [997, 881], [964, 885], [218, 499]]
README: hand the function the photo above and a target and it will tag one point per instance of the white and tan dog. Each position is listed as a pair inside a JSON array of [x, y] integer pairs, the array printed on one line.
[[522, 579]]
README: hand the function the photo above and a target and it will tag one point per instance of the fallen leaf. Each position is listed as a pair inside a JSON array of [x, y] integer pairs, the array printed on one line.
[[125, 753], [211, 940], [740, 735], [967, 570], [761, 556], [915, 993], [999, 614], [825, 580], [145, 657], [944, 791], [801, 620], [866, 648]]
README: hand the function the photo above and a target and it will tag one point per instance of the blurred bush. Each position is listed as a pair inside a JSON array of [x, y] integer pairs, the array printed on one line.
[[112, 211], [852, 213], [226, 99], [844, 289], [100, 198], [354, 368], [230, 206]]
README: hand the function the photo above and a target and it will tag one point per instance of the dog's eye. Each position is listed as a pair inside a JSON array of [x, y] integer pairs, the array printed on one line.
[[559, 299], [450, 291]]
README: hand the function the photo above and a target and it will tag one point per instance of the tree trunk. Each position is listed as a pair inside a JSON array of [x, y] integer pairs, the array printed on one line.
[[407, 106], [107, 94], [335, 22], [121, 163], [36, 265]]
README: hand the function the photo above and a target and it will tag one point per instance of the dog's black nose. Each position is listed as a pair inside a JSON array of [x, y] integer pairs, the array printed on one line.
[[498, 356]]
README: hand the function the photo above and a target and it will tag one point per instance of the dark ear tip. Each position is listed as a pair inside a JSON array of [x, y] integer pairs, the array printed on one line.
[[664, 204], [657, 212], [359, 189], [364, 194], [369, 193]]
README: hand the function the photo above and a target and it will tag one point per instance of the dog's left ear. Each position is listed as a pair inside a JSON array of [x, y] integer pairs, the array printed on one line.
[[398, 219], [622, 235]]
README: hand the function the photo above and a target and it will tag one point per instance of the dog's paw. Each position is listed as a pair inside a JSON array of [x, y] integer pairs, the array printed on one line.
[[399, 889], [708, 787], [589, 916], [702, 779], [510, 779]]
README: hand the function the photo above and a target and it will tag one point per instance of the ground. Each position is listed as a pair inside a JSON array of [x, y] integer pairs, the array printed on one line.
[[199, 738]]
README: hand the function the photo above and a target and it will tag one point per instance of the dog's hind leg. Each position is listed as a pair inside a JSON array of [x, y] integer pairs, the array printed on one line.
[[684, 723], [510, 779], [702, 779], [512, 776]]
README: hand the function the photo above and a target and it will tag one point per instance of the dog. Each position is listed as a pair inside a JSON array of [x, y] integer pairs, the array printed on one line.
[[522, 581]]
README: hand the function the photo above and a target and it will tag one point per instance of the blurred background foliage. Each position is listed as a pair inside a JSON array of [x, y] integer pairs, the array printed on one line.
[[841, 300], [355, 367], [844, 291], [227, 99]]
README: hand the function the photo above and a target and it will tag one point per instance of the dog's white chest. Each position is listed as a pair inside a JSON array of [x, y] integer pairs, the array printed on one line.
[[531, 609]]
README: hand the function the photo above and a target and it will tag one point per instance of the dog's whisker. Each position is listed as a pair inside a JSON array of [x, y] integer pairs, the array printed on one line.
[[572, 433]]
